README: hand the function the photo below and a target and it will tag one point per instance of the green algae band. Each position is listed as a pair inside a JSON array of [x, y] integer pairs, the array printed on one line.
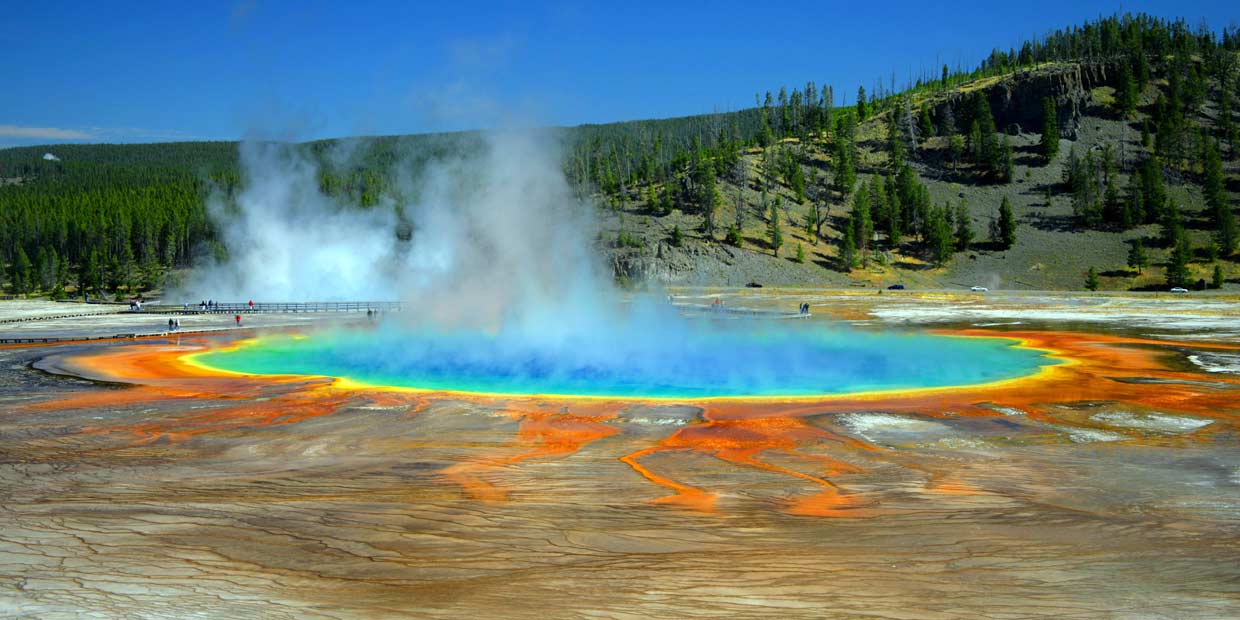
[[696, 363]]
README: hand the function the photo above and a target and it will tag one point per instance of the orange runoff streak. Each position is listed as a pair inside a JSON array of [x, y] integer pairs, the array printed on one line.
[[550, 434]]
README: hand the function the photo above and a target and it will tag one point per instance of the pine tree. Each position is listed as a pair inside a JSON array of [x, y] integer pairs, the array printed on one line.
[[1134, 199], [939, 239], [797, 182], [1007, 225], [1091, 280], [800, 257], [775, 233], [1154, 189], [955, 145], [707, 196], [1177, 268], [1005, 166], [1137, 258], [678, 238], [1226, 235], [90, 276], [767, 136], [862, 107], [21, 273], [845, 171], [62, 280], [863, 219], [984, 143], [1172, 226], [964, 228], [1216, 281], [1126, 95], [848, 247], [1050, 129]]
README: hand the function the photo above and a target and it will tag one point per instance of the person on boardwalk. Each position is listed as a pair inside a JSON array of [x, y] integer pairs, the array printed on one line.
[[169, 324], [251, 305], [238, 318]]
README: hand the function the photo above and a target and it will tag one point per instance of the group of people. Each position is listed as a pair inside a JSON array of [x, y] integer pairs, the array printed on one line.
[[174, 324]]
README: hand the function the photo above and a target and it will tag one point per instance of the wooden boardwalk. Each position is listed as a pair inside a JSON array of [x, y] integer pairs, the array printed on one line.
[[242, 307]]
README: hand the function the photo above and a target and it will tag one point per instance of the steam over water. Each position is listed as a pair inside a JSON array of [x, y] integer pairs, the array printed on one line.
[[503, 293]]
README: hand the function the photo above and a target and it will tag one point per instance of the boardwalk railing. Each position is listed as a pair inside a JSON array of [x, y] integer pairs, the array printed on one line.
[[241, 307]]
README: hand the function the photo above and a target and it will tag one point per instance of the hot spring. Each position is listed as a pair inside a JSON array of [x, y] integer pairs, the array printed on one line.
[[703, 360]]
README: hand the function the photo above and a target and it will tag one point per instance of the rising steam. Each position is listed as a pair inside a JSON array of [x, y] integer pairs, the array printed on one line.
[[503, 293], [497, 234]]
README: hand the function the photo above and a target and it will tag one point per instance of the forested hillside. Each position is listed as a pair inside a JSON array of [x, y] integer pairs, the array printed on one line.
[[1100, 156]]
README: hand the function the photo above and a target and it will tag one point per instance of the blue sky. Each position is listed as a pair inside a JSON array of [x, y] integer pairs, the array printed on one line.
[[140, 72]]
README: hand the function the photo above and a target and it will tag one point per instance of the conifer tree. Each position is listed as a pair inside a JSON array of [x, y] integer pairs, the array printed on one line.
[[1137, 258], [1091, 280], [862, 219], [21, 273], [848, 247], [964, 228], [1154, 189], [1177, 267], [939, 238], [1172, 226], [1007, 225], [1226, 235], [1216, 280], [1004, 165], [775, 233], [1050, 129], [1216, 199], [927, 126], [1126, 92], [845, 171]]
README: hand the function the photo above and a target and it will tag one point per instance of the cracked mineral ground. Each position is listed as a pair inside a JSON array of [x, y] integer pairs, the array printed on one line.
[[135, 484]]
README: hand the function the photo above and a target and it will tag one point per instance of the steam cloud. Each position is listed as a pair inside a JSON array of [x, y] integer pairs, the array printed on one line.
[[502, 289], [497, 235]]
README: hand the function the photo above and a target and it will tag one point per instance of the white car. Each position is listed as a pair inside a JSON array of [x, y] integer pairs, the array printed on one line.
[[979, 289], [1179, 289]]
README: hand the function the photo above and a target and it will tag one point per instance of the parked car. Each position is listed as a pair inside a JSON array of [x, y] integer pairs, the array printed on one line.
[[979, 289], [1179, 289], [896, 287]]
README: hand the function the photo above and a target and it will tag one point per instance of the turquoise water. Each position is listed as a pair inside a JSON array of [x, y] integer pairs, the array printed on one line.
[[745, 360]]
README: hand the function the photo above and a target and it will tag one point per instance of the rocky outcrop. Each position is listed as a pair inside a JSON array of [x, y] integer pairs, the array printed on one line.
[[1016, 100]]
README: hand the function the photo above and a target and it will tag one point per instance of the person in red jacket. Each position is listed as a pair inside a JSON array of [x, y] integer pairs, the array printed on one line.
[[238, 318], [251, 305]]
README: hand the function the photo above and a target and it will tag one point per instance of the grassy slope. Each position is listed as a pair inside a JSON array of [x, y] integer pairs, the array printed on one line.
[[1051, 253]]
